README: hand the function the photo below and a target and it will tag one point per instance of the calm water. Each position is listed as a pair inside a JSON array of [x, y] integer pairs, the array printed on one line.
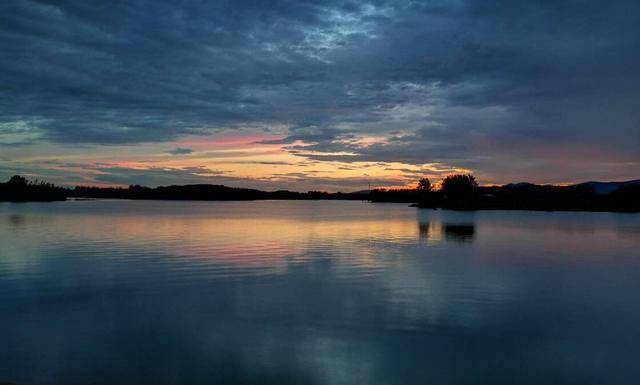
[[119, 292]]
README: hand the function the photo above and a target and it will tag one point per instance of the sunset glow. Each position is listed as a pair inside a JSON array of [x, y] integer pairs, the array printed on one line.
[[311, 96]]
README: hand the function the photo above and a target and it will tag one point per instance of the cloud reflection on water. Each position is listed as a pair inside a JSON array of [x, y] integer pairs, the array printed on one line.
[[312, 292]]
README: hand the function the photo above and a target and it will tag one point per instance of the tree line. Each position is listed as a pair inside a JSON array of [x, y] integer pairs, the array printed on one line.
[[457, 191], [19, 189]]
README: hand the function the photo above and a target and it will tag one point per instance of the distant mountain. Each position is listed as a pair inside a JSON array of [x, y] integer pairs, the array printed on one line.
[[519, 185], [607, 187]]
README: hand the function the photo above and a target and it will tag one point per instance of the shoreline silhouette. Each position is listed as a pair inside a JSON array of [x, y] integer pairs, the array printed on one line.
[[457, 192]]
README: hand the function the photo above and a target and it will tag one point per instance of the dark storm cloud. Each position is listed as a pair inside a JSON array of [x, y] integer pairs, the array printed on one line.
[[460, 81]]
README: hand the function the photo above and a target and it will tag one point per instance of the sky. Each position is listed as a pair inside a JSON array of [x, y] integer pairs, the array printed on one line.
[[311, 95]]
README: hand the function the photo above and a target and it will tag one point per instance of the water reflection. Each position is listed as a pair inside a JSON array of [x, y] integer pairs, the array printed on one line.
[[314, 292], [16, 220], [456, 227], [463, 233], [430, 232]]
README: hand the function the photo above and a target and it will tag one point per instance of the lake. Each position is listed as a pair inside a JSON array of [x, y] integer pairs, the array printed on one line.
[[315, 292]]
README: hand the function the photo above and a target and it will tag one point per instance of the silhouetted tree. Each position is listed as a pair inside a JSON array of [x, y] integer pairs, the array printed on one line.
[[19, 189], [460, 190], [424, 190], [424, 185], [18, 180]]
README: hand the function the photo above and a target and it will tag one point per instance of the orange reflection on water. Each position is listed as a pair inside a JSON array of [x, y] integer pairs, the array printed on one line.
[[253, 242]]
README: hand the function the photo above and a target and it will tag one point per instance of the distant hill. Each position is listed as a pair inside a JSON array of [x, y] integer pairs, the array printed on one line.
[[608, 187], [520, 185], [204, 192]]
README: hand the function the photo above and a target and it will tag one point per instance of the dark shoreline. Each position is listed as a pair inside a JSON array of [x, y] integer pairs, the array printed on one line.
[[586, 197]]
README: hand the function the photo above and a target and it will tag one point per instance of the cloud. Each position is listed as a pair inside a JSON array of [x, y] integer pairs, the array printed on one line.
[[295, 181], [155, 176], [180, 151], [470, 84]]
